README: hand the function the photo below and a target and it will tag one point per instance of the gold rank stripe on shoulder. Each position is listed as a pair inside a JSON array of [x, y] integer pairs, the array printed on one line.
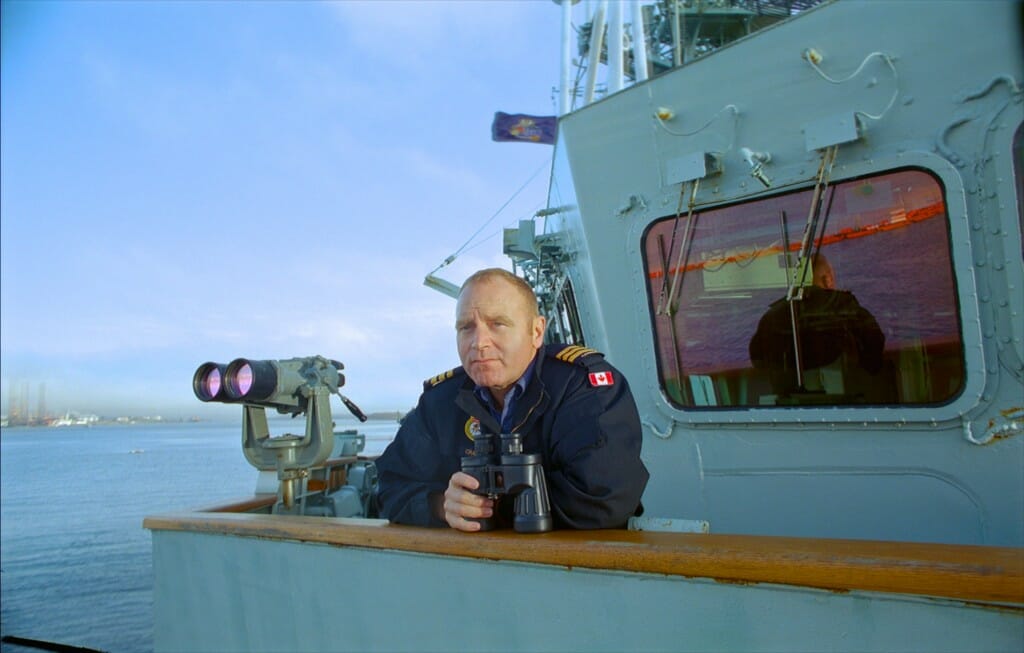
[[443, 376], [572, 352]]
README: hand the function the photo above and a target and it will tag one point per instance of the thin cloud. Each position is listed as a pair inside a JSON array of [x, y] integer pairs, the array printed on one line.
[[401, 32], [279, 186]]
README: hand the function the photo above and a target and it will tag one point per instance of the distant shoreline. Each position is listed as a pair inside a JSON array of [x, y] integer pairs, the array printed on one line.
[[92, 420], [396, 415]]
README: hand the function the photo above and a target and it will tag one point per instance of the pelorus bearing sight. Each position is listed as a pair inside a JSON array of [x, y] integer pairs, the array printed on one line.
[[292, 386]]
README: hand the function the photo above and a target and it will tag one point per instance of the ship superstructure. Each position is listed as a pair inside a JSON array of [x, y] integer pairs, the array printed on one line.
[[802, 244]]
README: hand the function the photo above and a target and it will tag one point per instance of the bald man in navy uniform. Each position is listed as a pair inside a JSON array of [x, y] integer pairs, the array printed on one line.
[[568, 403]]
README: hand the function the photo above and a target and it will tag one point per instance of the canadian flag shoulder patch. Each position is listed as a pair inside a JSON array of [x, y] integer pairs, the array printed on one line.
[[601, 378]]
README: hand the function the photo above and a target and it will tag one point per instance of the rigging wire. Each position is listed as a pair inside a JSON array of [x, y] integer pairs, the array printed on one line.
[[465, 245], [485, 239]]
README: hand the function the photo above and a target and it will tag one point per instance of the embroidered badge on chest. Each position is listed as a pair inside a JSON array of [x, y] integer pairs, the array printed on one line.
[[601, 378], [472, 428]]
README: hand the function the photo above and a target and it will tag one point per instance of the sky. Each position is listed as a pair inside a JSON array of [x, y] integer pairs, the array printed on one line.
[[188, 181]]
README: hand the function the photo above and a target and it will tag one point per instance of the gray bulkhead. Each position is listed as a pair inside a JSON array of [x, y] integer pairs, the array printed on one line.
[[950, 105]]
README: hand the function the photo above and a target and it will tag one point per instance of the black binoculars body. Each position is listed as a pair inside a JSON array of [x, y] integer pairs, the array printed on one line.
[[503, 470]]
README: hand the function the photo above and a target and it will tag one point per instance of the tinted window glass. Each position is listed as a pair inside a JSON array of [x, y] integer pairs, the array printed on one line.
[[874, 321]]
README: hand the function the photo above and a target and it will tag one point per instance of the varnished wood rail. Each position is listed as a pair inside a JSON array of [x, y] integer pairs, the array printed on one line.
[[980, 574]]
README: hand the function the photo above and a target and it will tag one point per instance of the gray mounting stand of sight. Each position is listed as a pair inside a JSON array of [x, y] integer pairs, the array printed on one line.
[[295, 386], [291, 455]]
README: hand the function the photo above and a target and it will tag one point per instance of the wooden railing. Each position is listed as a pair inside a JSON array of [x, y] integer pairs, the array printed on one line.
[[980, 574]]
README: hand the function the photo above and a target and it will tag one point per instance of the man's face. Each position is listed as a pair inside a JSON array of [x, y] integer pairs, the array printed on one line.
[[497, 334], [824, 277]]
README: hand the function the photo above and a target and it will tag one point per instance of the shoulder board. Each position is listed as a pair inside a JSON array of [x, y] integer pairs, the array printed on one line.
[[574, 354], [435, 381]]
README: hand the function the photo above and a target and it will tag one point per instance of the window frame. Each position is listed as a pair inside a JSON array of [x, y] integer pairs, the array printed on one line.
[[965, 291]]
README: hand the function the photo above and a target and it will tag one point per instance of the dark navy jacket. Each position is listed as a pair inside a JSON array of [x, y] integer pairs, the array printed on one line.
[[829, 324], [577, 412]]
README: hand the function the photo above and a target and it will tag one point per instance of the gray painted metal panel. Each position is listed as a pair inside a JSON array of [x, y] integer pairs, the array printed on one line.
[[944, 473], [951, 107], [225, 594]]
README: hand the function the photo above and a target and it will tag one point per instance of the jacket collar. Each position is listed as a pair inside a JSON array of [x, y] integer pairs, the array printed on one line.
[[527, 409]]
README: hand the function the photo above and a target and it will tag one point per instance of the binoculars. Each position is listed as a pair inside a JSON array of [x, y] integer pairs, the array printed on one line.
[[503, 470]]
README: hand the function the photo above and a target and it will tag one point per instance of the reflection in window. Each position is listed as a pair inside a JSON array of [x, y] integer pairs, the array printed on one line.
[[874, 320]]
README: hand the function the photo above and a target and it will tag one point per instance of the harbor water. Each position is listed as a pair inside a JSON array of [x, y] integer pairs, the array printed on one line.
[[75, 561]]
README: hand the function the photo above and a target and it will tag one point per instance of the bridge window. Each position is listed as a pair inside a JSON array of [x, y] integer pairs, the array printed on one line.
[[865, 314]]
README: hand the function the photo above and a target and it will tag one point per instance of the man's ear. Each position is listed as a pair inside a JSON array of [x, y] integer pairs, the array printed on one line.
[[539, 324]]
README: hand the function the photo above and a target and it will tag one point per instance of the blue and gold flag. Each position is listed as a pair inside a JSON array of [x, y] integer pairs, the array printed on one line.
[[521, 127]]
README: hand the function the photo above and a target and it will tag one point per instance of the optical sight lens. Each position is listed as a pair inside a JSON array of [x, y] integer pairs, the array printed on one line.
[[249, 380], [208, 381], [212, 383], [243, 380]]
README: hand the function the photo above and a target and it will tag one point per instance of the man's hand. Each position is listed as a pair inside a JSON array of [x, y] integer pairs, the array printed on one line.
[[461, 505]]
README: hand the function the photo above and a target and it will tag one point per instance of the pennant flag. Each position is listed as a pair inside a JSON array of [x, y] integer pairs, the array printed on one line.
[[521, 127]]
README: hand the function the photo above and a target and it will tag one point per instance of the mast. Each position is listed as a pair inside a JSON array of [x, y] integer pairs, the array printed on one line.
[[564, 89], [665, 34]]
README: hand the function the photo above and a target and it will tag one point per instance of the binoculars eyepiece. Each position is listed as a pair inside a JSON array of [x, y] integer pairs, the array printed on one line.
[[503, 470], [281, 384]]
